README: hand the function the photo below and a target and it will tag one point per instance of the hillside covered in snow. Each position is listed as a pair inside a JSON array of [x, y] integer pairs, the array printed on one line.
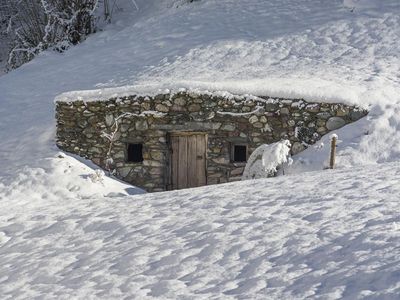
[[67, 231], [334, 235]]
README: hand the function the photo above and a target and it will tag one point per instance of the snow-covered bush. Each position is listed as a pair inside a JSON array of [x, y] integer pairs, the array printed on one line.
[[263, 162], [36, 25]]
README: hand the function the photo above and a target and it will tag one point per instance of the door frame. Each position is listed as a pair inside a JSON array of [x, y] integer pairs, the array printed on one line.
[[169, 143]]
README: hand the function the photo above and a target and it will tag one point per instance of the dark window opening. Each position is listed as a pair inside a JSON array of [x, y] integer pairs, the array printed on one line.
[[135, 153], [239, 153]]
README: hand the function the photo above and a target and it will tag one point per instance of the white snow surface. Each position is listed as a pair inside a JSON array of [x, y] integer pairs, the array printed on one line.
[[318, 50], [315, 50], [330, 235], [69, 232]]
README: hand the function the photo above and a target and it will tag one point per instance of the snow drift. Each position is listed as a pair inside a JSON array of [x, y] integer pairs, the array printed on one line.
[[332, 235]]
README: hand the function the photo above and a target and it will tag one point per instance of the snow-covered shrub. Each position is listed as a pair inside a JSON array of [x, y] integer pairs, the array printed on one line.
[[263, 162], [36, 25]]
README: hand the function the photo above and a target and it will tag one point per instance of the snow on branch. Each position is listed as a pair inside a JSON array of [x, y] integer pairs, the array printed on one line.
[[34, 26], [114, 135], [264, 161]]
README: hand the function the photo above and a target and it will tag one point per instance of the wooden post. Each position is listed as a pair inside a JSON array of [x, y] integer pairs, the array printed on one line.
[[106, 10], [333, 151]]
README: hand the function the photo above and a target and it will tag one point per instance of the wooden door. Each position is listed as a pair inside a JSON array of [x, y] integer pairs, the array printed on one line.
[[188, 159]]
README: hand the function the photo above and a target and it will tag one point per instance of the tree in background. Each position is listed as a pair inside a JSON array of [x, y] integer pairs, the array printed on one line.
[[28, 27], [36, 25]]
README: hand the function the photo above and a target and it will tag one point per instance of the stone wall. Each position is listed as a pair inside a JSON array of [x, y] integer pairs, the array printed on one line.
[[86, 128]]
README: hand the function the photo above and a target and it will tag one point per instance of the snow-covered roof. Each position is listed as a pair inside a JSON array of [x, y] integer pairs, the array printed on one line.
[[309, 90], [332, 52]]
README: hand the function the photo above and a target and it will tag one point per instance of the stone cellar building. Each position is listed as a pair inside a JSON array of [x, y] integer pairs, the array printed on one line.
[[185, 139]]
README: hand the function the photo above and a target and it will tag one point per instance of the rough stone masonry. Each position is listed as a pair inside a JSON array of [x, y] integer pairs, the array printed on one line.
[[101, 130]]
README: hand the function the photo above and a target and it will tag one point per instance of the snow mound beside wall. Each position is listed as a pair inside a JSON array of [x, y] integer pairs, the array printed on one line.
[[323, 235]]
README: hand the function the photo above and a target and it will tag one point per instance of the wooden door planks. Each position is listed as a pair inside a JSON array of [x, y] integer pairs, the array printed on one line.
[[188, 160]]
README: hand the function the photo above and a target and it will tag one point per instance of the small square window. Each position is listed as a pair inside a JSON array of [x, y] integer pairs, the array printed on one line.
[[135, 153], [239, 153]]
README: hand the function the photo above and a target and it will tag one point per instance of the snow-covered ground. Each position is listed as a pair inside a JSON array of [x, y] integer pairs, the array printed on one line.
[[330, 235], [69, 232], [310, 48]]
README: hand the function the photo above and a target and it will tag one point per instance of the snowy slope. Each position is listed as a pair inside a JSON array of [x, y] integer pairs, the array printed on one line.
[[66, 232], [310, 48], [331, 235]]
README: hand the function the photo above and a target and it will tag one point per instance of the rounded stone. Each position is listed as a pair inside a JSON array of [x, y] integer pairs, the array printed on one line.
[[146, 106], [198, 100], [180, 101], [124, 128], [228, 127], [356, 114], [335, 123], [124, 171], [178, 108], [211, 115], [162, 108], [109, 120], [342, 112], [194, 107], [271, 107], [312, 108], [157, 155], [321, 130], [285, 111], [253, 119], [324, 115], [82, 123], [258, 125], [141, 125], [167, 103], [297, 148]]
